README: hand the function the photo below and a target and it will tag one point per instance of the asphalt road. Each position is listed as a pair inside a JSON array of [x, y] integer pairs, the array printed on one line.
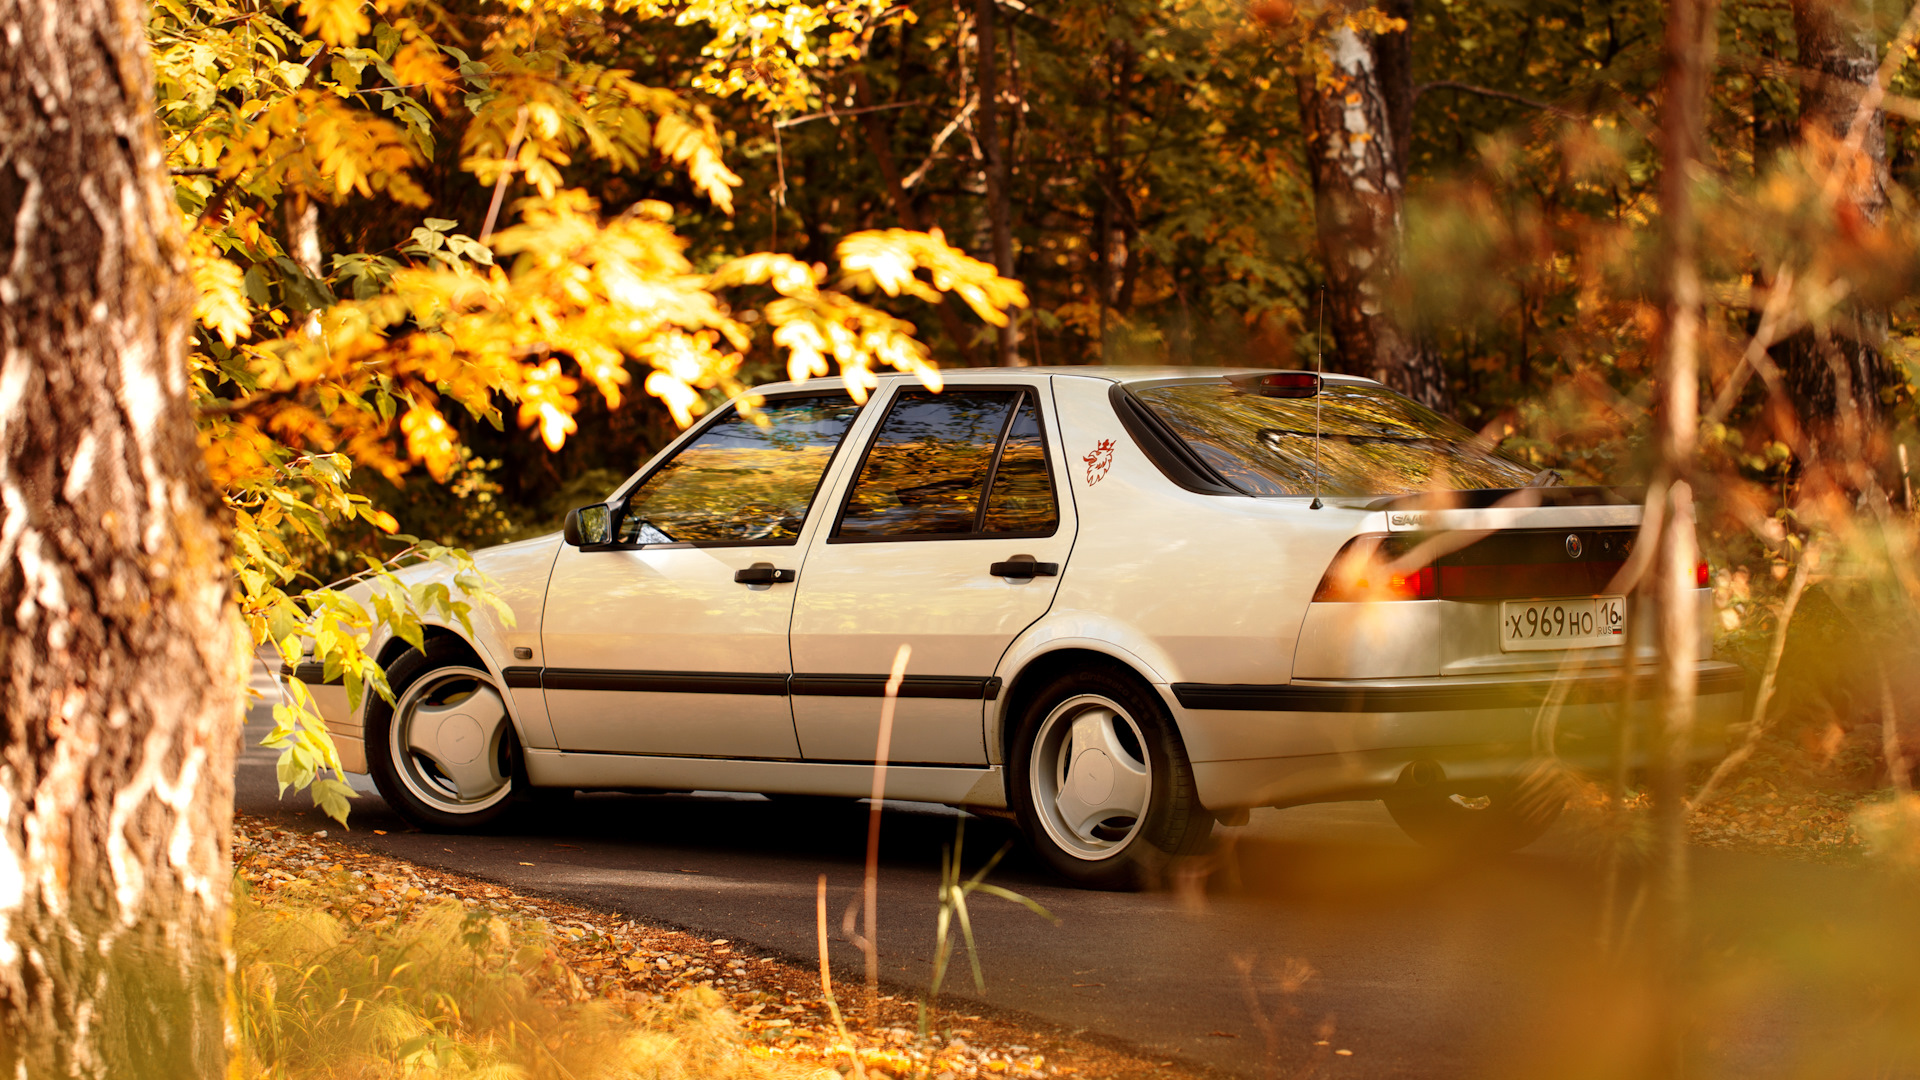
[[1317, 923]]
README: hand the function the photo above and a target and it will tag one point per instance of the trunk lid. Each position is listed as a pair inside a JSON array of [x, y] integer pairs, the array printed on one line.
[[1478, 574]]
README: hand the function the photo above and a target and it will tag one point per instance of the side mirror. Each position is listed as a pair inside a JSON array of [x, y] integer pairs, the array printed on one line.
[[589, 526]]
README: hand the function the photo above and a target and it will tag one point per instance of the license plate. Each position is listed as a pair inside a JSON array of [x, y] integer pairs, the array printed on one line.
[[1584, 623]]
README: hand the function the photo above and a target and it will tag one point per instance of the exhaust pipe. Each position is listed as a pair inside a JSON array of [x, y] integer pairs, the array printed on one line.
[[1425, 772]]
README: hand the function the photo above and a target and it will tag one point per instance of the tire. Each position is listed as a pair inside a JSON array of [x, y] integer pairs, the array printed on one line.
[[1479, 822], [444, 754], [1101, 783]]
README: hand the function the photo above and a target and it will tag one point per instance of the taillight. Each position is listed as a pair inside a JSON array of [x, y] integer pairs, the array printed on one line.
[[1369, 568], [1507, 566], [1281, 384], [1700, 575]]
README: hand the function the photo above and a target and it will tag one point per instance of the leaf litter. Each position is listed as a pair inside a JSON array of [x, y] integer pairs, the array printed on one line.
[[595, 956]]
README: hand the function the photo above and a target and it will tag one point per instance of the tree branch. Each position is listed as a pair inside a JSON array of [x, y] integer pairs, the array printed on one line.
[[1484, 91], [832, 114]]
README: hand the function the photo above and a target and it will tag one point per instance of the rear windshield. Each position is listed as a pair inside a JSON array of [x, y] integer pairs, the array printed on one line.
[[1372, 441]]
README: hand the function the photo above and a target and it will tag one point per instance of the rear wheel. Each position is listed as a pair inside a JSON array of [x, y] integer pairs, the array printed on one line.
[[443, 754], [1490, 821], [1101, 782]]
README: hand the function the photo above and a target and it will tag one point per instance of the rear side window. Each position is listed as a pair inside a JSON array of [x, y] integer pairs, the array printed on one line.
[[1372, 441], [952, 465], [741, 481], [1021, 501]]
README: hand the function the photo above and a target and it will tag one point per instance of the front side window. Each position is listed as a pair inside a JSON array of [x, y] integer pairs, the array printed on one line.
[[1371, 441], [742, 481], [956, 464]]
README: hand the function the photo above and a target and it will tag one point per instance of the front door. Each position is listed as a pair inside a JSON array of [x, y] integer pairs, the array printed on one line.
[[950, 539], [674, 640]]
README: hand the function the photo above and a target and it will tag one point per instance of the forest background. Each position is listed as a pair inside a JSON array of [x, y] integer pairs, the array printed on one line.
[[1461, 199], [430, 250], [1147, 171]]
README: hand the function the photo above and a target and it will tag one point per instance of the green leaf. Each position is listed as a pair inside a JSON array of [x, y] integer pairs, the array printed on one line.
[[331, 797], [255, 284]]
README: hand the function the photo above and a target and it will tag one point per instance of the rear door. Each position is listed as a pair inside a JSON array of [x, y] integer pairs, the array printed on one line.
[[950, 538]]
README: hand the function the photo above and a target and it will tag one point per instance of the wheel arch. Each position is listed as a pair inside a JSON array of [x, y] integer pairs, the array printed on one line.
[[396, 646], [1040, 667]]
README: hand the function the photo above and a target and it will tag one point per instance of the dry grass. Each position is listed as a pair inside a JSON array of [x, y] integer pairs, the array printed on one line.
[[453, 991]]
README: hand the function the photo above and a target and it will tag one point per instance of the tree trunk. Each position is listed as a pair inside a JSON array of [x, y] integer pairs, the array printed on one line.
[[879, 133], [1834, 373], [1393, 57], [120, 701], [1670, 512], [1358, 192], [986, 30]]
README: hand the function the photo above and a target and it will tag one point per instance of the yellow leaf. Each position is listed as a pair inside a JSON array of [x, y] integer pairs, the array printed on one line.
[[338, 22], [429, 439], [221, 305]]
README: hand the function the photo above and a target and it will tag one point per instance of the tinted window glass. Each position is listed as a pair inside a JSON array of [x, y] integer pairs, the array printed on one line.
[[740, 480], [1021, 500], [1372, 441], [927, 469]]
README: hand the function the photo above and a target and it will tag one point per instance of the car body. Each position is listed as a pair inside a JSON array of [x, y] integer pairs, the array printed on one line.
[[1130, 616]]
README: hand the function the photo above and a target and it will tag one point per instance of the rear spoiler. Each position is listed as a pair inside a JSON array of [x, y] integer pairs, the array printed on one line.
[[1481, 498]]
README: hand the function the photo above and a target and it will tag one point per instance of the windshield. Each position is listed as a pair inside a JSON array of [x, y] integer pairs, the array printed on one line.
[[1372, 441]]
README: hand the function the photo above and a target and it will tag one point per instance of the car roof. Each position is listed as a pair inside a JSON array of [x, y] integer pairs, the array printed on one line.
[[1113, 373]]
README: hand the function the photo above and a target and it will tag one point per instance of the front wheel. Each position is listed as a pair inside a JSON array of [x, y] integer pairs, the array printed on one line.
[[1101, 782], [442, 754]]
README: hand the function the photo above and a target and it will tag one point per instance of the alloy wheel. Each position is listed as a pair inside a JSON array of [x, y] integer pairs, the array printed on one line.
[[1092, 779], [449, 741]]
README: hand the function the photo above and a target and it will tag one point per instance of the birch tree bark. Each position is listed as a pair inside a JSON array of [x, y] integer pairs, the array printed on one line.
[[1358, 188], [1834, 373], [120, 696]]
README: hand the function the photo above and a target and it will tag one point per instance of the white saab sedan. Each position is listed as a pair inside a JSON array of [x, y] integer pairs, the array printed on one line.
[[1139, 601]]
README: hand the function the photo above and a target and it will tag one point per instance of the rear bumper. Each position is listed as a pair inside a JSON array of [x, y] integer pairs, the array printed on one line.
[[1319, 741]]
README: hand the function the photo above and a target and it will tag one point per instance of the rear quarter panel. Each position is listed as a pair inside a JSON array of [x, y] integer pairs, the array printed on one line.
[[1193, 587]]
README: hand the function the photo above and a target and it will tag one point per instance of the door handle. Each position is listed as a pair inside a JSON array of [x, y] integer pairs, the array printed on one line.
[[762, 575], [1024, 568]]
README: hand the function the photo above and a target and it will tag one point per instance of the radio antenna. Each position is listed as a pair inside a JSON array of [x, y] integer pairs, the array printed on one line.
[[1319, 389]]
